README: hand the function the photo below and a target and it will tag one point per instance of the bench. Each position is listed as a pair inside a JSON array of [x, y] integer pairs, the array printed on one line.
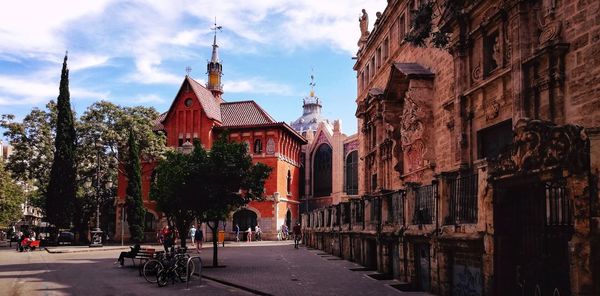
[[142, 255]]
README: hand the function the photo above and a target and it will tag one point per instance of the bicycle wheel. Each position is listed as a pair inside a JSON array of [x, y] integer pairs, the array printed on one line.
[[162, 278], [151, 269], [181, 271]]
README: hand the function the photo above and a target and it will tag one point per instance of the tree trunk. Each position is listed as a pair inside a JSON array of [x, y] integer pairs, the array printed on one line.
[[182, 228], [214, 229]]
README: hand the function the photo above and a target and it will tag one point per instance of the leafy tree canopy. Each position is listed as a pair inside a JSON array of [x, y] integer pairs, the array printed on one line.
[[11, 198]]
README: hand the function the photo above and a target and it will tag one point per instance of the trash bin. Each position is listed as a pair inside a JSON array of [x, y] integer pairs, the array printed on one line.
[[221, 237]]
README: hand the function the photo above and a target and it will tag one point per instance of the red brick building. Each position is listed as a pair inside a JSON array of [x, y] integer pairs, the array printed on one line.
[[199, 112]]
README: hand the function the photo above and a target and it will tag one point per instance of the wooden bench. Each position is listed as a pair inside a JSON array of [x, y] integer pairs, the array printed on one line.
[[142, 255]]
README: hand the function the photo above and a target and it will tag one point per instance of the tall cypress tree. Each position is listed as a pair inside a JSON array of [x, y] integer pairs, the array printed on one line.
[[60, 197], [135, 206]]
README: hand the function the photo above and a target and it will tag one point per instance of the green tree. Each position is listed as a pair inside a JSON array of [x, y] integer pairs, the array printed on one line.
[[11, 198], [226, 182], [134, 203], [60, 197], [173, 188], [108, 125], [32, 140]]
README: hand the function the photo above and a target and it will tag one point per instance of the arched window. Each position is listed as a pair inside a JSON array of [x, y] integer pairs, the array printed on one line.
[[257, 146], [289, 182], [351, 171], [322, 171], [244, 218], [288, 219]]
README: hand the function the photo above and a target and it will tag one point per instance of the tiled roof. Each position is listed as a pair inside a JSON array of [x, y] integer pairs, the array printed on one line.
[[158, 126], [207, 100], [244, 113]]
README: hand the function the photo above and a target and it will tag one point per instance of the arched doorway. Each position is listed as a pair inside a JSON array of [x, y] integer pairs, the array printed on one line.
[[244, 218], [288, 219]]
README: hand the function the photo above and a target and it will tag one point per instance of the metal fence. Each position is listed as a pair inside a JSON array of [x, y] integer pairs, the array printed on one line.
[[395, 207], [424, 211], [463, 199]]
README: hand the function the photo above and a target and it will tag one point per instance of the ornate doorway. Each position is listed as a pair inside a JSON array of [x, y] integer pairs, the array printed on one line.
[[533, 225]]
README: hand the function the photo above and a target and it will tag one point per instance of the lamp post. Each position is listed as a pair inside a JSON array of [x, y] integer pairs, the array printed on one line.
[[97, 233]]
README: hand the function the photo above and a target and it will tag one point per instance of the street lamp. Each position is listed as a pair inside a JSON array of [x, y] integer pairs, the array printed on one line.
[[97, 232]]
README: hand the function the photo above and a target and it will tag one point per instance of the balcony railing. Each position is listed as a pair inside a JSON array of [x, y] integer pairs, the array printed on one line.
[[395, 207], [463, 199], [424, 211]]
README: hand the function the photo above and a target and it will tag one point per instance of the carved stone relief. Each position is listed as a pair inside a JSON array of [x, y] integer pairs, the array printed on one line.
[[415, 118], [541, 145], [270, 146]]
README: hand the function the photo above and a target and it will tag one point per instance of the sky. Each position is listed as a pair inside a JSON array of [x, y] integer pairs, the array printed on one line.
[[135, 52]]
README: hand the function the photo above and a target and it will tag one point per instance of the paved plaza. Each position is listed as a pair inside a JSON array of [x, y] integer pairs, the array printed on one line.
[[263, 268]]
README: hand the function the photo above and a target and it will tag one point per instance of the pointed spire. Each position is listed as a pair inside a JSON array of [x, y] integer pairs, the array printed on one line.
[[215, 54]]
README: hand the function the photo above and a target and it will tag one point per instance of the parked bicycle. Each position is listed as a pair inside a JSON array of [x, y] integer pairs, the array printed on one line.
[[179, 258]]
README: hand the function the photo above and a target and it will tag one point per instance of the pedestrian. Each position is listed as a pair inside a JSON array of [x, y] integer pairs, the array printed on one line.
[[249, 234], [167, 237], [258, 232], [237, 233], [192, 233], [199, 238], [297, 231], [284, 231], [19, 239]]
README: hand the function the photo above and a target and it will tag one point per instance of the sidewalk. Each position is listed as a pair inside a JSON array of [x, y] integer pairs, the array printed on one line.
[[80, 249], [282, 270]]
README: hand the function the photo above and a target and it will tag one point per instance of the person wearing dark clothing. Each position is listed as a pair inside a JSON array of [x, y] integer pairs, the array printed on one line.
[[198, 238], [131, 254], [297, 235]]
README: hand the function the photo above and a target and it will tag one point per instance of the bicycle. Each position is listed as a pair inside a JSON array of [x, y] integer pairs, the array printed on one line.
[[175, 268], [151, 267]]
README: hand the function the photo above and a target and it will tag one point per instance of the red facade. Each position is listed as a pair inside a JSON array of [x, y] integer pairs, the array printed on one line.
[[197, 114]]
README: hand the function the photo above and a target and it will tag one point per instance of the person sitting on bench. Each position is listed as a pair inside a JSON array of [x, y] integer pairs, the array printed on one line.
[[131, 254]]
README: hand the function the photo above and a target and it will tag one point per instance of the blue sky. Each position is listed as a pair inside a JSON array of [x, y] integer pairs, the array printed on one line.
[[135, 52]]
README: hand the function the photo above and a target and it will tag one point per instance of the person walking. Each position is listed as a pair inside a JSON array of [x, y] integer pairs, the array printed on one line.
[[167, 236], [237, 233], [199, 238], [297, 231], [285, 232], [192, 233], [258, 232], [249, 235]]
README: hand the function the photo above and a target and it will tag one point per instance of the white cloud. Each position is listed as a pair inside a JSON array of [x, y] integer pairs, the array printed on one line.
[[24, 91], [257, 86], [146, 98], [140, 38]]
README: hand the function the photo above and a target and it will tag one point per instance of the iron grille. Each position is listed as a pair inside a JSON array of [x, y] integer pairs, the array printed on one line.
[[559, 208], [463, 199], [395, 207], [375, 204], [424, 212]]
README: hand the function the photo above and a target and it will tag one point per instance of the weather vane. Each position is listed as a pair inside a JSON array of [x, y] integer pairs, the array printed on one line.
[[215, 28], [188, 69]]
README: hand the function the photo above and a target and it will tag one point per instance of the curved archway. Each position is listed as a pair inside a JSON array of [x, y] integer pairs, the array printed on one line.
[[322, 168], [245, 218]]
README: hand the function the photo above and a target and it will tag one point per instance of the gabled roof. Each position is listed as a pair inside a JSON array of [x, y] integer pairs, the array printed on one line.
[[244, 113], [205, 98]]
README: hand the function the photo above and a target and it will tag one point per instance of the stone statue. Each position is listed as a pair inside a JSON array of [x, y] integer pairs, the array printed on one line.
[[364, 23]]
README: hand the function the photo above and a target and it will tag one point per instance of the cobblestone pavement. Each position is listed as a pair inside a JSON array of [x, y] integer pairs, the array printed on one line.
[[86, 273], [279, 269]]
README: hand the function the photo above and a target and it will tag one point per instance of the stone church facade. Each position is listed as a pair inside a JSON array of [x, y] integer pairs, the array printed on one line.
[[478, 164], [329, 161], [198, 112]]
